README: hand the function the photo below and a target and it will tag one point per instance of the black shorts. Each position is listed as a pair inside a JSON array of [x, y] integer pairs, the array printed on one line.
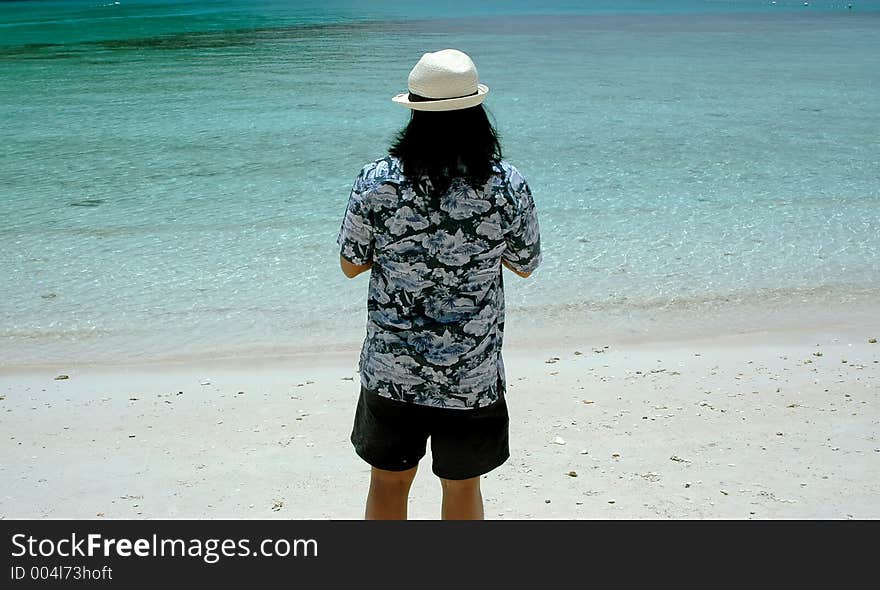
[[393, 435]]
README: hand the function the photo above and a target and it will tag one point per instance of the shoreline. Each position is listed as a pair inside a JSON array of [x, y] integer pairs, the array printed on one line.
[[528, 331], [737, 426]]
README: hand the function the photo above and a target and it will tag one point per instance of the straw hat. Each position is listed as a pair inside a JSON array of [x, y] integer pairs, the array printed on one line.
[[444, 80]]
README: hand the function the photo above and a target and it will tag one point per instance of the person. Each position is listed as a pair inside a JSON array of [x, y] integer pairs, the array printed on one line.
[[433, 221]]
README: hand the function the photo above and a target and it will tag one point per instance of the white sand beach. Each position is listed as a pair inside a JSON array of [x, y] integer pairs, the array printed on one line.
[[699, 341], [781, 425]]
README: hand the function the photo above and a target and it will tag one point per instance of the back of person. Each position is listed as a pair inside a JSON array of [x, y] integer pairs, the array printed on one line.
[[436, 303], [434, 221]]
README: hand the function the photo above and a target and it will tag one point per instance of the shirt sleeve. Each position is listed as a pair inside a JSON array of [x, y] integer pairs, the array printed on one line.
[[355, 237], [523, 251]]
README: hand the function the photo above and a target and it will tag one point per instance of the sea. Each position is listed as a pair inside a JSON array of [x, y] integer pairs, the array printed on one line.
[[173, 174]]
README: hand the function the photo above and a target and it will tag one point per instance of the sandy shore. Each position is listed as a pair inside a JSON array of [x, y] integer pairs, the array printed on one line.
[[766, 426]]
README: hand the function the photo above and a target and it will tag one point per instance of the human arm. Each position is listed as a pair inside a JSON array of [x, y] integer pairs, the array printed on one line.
[[355, 237], [522, 254], [524, 275], [352, 270]]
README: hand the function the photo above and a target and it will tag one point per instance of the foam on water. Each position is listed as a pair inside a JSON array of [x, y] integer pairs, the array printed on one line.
[[175, 187]]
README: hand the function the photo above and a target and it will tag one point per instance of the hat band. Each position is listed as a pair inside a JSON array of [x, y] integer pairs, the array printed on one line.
[[419, 98]]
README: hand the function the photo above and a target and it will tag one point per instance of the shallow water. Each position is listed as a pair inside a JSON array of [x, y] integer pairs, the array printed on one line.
[[174, 174]]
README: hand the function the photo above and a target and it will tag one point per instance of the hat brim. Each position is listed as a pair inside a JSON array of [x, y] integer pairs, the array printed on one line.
[[446, 104]]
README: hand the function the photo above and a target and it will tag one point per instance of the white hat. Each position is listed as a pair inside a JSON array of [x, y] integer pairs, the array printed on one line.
[[444, 80]]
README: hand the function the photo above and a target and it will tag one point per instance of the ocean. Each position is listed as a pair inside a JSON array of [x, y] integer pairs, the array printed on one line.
[[173, 174]]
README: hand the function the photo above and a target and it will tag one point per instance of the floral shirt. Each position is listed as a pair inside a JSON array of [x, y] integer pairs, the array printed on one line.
[[435, 306]]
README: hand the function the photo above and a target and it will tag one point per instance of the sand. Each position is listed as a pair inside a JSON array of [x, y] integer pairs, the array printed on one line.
[[758, 425]]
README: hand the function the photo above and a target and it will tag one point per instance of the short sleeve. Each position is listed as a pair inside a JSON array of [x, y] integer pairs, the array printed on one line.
[[355, 237], [523, 251]]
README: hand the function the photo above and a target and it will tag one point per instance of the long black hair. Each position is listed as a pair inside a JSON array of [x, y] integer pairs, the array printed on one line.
[[442, 145]]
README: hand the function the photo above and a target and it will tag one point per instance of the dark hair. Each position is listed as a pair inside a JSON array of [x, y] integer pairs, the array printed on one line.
[[442, 145]]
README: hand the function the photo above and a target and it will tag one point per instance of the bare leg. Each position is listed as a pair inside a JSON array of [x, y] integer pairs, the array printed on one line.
[[462, 499], [389, 493]]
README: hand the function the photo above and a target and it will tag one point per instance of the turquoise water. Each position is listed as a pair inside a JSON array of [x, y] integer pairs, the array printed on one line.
[[173, 174]]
